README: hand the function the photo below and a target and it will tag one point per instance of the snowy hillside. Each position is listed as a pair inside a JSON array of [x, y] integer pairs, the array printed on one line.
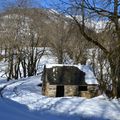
[[28, 103]]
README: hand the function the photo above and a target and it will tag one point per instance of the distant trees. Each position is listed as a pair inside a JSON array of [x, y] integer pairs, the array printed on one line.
[[59, 42], [22, 36], [77, 47], [65, 41]]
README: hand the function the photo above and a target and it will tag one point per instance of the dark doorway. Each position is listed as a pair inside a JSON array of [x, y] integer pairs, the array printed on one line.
[[60, 91], [82, 88]]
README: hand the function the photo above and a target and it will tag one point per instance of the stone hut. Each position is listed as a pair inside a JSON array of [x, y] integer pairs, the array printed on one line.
[[66, 80]]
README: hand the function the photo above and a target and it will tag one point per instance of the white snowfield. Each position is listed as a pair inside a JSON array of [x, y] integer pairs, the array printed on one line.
[[22, 100]]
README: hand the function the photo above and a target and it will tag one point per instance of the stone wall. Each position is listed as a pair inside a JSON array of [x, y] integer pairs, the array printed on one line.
[[50, 90], [70, 90]]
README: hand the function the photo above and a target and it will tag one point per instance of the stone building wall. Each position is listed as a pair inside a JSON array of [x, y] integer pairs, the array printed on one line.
[[91, 92], [50, 90], [70, 90]]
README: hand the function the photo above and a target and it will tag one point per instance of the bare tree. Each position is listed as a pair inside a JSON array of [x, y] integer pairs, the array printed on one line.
[[96, 10], [59, 39], [23, 36]]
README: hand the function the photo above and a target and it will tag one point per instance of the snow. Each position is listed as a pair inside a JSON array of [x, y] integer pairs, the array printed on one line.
[[23, 100], [89, 76], [3, 67], [54, 11], [97, 25]]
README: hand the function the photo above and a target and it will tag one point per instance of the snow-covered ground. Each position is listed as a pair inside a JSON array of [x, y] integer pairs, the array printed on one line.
[[23, 101]]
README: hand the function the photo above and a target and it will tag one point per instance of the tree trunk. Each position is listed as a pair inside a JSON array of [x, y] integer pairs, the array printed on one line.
[[115, 73]]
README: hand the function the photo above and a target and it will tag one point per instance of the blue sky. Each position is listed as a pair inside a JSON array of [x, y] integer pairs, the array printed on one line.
[[36, 3], [47, 3], [39, 3]]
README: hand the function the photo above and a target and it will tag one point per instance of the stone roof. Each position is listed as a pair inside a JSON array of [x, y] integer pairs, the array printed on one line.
[[65, 75], [89, 76]]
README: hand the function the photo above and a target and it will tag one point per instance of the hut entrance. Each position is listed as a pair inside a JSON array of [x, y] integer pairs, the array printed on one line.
[[60, 91], [82, 88]]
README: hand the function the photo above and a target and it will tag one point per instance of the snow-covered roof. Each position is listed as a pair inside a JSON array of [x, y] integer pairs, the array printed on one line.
[[89, 76], [56, 65]]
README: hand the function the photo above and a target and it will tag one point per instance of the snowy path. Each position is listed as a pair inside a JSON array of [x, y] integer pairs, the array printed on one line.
[[15, 111], [37, 107]]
